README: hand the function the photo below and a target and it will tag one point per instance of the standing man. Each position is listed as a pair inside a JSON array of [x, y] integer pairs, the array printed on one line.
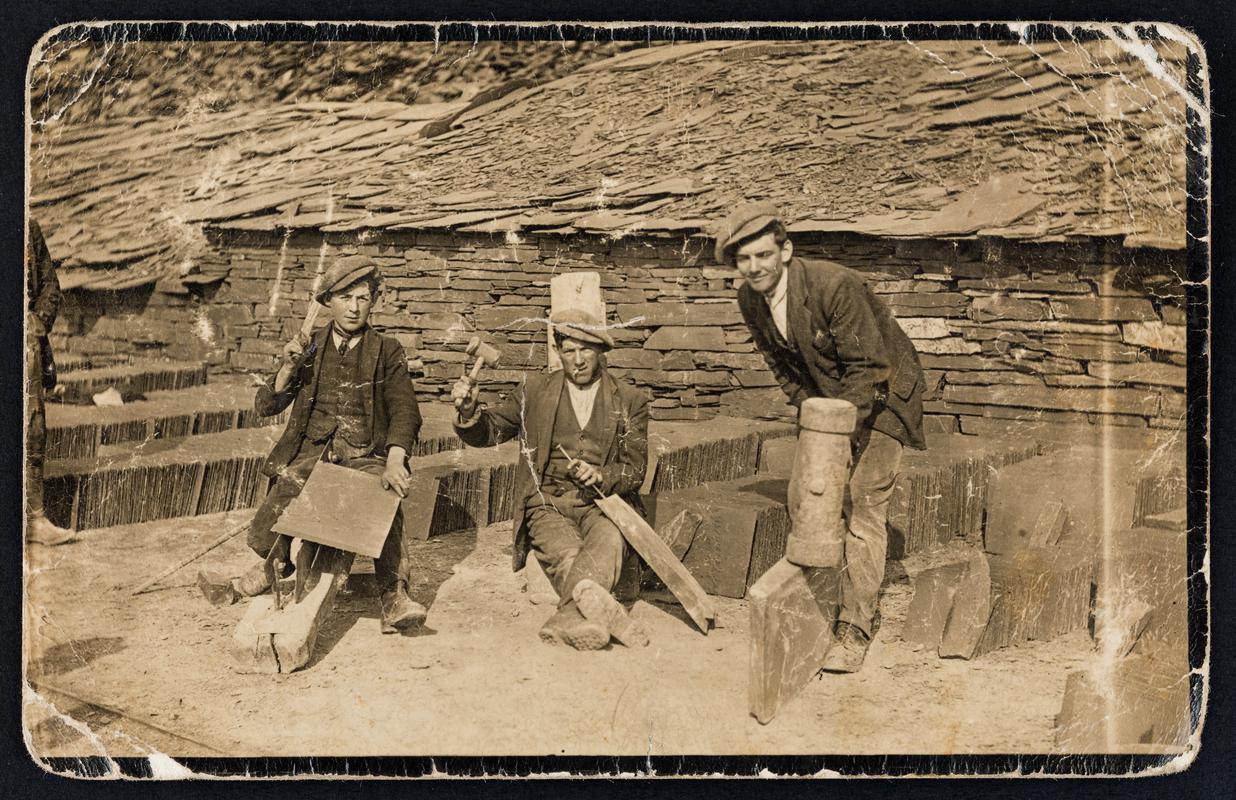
[[42, 304], [582, 433], [352, 404], [824, 334]]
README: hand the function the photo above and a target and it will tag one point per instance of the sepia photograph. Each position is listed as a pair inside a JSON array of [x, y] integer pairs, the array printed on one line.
[[618, 392]]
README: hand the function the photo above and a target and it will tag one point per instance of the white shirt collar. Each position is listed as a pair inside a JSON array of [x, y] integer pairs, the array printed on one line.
[[777, 303], [582, 400], [338, 340], [778, 293]]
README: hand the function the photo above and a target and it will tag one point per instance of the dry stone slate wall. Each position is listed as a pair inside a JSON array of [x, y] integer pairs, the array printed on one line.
[[1058, 332]]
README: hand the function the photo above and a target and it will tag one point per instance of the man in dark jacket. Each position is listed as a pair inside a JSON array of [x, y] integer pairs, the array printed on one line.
[[42, 304], [824, 334], [582, 433], [352, 404]]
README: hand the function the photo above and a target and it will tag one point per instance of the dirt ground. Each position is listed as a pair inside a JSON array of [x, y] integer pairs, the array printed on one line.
[[135, 675]]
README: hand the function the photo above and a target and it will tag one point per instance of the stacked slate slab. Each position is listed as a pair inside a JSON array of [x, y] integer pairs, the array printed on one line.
[[1052, 525], [939, 496], [1138, 690], [137, 477], [136, 377], [189, 471], [77, 431]]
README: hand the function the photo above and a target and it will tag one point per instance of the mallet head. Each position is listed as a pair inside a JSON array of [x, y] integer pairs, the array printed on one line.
[[484, 352]]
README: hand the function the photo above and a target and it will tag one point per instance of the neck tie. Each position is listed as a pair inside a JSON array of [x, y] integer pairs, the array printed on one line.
[[344, 341]]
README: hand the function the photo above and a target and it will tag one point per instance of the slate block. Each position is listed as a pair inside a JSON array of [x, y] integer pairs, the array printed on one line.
[[934, 590], [1131, 703], [1095, 491], [792, 614], [1150, 566], [677, 337], [1036, 594], [971, 610], [743, 528]]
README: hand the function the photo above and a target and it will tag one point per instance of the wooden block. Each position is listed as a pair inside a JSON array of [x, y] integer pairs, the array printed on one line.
[[418, 506], [270, 640], [254, 652], [934, 590], [792, 614], [644, 540], [971, 610], [1133, 702], [342, 508]]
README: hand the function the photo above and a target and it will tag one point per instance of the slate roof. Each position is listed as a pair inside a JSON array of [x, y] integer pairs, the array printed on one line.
[[923, 139]]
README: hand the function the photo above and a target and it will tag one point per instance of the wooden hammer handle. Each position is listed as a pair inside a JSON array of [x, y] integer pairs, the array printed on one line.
[[306, 327], [476, 369]]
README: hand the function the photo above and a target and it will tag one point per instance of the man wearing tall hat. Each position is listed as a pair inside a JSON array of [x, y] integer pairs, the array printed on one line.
[[42, 304], [582, 433], [352, 404], [824, 333]]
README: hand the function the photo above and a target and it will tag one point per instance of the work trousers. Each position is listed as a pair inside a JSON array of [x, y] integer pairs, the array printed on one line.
[[36, 428], [573, 540], [389, 568], [866, 515]]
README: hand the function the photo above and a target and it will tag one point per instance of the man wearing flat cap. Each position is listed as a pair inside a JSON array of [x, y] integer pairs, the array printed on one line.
[[584, 434], [352, 404], [824, 333]]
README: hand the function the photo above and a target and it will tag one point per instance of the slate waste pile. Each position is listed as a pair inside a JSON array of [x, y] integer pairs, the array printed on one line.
[[84, 80], [596, 157]]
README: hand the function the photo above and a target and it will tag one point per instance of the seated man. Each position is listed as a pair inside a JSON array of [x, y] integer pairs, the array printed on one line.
[[584, 434], [42, 303], [352, 404]]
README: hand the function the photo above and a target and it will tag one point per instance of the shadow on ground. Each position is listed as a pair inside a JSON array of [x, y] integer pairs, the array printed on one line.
[[431, 564], [68, 656]]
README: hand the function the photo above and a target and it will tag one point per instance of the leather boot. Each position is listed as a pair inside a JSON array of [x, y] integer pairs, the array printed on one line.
[[399, 611], [570, 627], [255, 581], [627, 588], [41, 530], [599, 606]]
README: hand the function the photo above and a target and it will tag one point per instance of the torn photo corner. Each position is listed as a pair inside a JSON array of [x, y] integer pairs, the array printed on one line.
[[880, 357]]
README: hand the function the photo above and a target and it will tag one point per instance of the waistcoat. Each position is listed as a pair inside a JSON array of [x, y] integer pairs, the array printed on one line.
[[583, 443], [339, 405]]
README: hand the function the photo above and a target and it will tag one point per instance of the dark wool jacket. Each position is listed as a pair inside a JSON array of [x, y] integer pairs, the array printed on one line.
[[42, 297], [530, 413], [391, 412], [848, 347]]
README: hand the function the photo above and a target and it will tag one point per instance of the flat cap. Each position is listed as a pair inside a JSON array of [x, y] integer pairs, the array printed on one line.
[[747, 219], [575, 323], [342, 274]]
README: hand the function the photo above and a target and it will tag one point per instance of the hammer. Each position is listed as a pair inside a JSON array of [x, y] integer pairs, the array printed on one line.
[[486, 355]]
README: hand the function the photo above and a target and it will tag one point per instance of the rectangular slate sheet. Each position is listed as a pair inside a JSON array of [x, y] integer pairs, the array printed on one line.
[[342, 508]]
